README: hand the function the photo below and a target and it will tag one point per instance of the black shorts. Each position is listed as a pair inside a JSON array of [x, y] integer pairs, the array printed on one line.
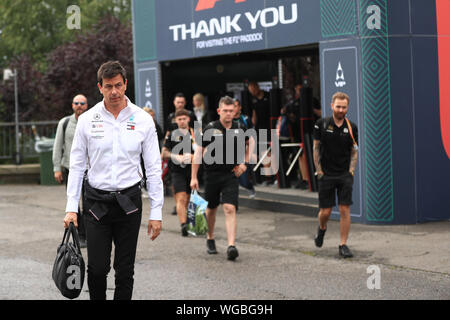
[[221, 183], [181, 181], [328, 185]]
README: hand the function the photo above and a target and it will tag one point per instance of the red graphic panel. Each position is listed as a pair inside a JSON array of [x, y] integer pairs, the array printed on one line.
[[209, 4], [443, 31]]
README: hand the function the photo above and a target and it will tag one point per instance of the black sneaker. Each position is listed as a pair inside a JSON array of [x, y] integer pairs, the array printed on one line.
[[345, 252], [211, 245], [232, 253], [319, 237], [184, 230]]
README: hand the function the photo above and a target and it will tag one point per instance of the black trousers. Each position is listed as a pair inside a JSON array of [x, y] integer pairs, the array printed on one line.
[[121, 229], [80, 215]]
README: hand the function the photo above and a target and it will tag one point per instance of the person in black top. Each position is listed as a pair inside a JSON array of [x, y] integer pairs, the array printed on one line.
[[178, 149], [295, 111], [223, 160], [260, 106], [179, 102], [246, 177], [335, 158]]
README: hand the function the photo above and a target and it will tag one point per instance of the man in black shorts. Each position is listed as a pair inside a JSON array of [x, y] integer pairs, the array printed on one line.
[[178, 149], [335, 158], [222, 171]]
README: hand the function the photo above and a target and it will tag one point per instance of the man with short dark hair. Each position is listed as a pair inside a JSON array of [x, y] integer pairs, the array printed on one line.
[[179, 102], [182, 139], [61, 152], [111, 137], [222, 173], [335, 158]]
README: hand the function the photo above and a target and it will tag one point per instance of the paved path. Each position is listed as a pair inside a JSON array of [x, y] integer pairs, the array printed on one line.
[[277, 260]]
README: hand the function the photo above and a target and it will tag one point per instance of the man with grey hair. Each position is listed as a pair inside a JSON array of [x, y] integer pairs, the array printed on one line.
[[61, 151]]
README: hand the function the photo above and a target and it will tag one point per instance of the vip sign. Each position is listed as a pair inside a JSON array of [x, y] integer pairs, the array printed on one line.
[[265, 18]]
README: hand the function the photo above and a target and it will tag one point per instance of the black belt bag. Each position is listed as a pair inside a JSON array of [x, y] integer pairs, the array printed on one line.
[[103, 198]]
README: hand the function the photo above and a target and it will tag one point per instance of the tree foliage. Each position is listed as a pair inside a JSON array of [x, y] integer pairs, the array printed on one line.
[[71, 69], [73, 66], [36, 27]]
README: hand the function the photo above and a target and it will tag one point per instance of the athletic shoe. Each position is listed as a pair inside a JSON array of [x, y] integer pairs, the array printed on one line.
[[211, 245], [345, 252], [319, 237], [184, 231], [252, 193], [174, 212], [232, 253]]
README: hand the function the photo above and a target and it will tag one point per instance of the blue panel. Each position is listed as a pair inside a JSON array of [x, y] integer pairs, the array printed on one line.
[[144, 29], [423, 17], [403, 130], [398, 19], [433, 174], [340, 72]]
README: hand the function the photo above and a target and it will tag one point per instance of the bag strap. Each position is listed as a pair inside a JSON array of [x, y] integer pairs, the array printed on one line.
[[65, 237], [350, 130], [66, 122], [75, 237]]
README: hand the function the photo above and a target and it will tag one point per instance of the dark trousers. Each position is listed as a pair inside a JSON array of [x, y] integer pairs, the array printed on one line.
[[121, 229], [80, 216]]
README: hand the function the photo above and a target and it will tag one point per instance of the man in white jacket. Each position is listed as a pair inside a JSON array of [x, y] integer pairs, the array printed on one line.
[[113, 135]]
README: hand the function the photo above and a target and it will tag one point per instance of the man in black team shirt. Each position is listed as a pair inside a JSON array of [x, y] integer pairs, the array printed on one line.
[[179, 102], [222, 172], [335, 158], [178, 149], [260, 106]]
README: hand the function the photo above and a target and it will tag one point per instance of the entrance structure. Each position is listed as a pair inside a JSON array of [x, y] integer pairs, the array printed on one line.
[[390, 57]]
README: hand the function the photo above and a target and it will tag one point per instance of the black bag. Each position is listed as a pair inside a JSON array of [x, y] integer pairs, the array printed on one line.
[[69, 269]]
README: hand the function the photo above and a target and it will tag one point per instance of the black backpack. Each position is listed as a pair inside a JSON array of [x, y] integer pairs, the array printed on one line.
[[69, 268]]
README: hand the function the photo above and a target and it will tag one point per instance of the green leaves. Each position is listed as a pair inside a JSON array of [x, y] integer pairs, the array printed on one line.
[[35, 28]]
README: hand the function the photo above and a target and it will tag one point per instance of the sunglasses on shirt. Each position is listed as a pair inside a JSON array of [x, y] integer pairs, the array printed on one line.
[[81, 103]]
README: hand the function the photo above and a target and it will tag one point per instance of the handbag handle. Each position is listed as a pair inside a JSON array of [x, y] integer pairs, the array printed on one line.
[[71, 230]]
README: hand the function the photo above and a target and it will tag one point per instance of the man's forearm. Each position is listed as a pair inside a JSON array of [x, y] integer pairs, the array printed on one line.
[[353, 160], [316, 155], [197, 161]]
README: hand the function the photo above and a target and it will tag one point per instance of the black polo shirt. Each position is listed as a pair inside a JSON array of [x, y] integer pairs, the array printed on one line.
[[182, 142], [262, 109], [216, 138], [336, 145]]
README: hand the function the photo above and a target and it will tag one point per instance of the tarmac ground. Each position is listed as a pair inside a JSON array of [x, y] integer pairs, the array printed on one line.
[[277, 261]]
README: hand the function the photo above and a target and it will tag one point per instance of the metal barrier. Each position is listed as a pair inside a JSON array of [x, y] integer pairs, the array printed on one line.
[[27, 138]]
